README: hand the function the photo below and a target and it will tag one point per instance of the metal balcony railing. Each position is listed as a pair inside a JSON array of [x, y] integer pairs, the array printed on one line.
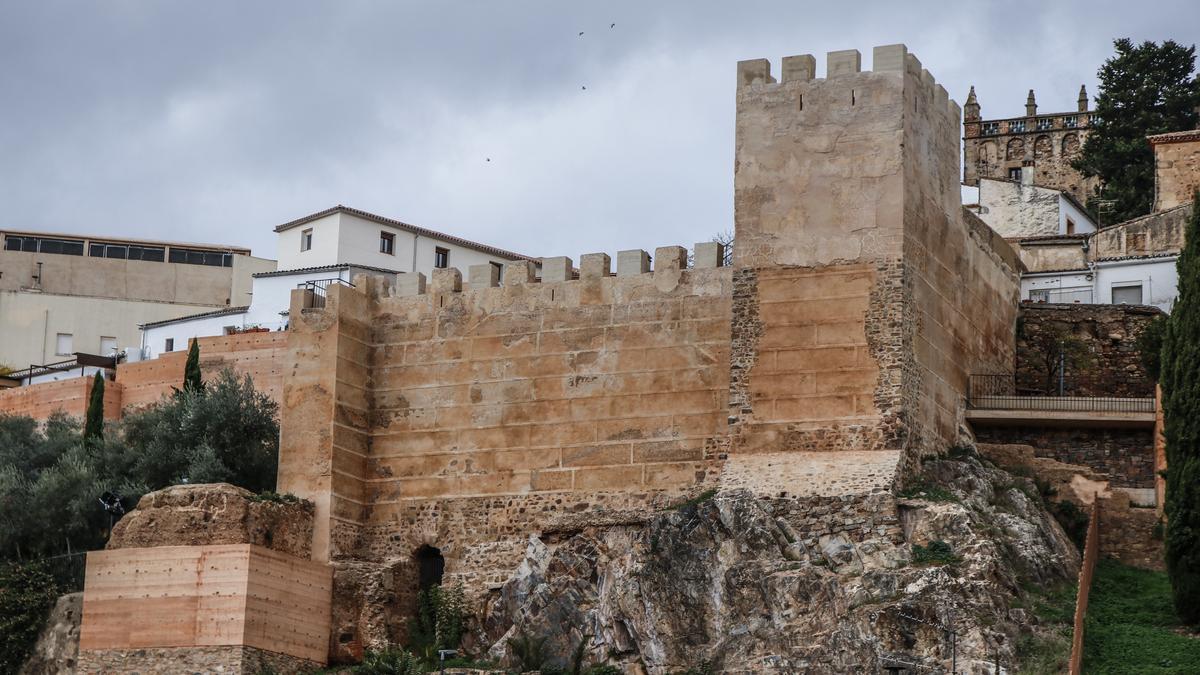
[[1000, 392], [319, 288]]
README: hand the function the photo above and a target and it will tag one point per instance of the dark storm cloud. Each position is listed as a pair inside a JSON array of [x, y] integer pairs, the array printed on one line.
[[216, 121]]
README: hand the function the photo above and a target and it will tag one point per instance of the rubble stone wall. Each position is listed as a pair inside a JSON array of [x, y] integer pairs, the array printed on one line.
[[1125, 457], [1107, 362]]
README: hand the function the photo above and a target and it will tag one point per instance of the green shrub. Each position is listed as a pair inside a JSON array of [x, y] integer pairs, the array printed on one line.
[[693, 501], [51, 480], [936, 553], [930, 493], [27, 592], [275, 498], [439, 622], [1074, 521], [392, 661]]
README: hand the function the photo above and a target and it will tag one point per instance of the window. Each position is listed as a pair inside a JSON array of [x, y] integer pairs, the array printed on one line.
[[131, 252], [1127, 295], [43, 245], [1039, 295], [387, 243], [991, 128], [306, 239], [108, 346], [1014, 173], [499, 270], [188, 256], [64, 344], [1070, 226], [1044, 123], [441, 258], [1016, 127], [169, 345], [1071, 122]]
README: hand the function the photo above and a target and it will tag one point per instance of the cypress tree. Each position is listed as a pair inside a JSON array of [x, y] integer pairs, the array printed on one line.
[[191, 370], [1180, 366], [93, 426]]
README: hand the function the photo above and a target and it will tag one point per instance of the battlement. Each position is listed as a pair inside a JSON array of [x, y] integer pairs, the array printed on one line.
[[888, 60], [667, 261]]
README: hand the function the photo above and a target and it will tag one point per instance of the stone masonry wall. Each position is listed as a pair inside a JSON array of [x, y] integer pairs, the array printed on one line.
[[1109, 363], [1160, 232], [1176, 168], [170, 661], [1124, 456]]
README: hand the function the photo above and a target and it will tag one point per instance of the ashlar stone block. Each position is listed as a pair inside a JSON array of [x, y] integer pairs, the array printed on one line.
[[709, 254], [670, 258], [799, 68], [889, 58], [410, 284], [557, 268], [843, 62], [518, 272], [486, 275], [595, 265], [754, 71], [632, 263], [448, 280]]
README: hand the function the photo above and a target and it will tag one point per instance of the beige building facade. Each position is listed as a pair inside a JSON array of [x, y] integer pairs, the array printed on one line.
[[61, 294], [1046, 142]]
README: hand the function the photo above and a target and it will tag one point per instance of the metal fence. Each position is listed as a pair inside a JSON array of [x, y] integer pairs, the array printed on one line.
[[319, 288], [1000, 392], [1081, 296], [67, 569]]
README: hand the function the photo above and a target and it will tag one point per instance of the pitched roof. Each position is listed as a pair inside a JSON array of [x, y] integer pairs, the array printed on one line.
[[466, 243], [322, 268], [202, 315], [1175, 137]]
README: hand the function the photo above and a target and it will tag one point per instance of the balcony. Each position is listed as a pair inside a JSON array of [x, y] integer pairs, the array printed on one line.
[[996, 400]]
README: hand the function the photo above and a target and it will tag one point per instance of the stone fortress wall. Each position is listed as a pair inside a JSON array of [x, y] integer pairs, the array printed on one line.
[[466, 417], [469, 416]]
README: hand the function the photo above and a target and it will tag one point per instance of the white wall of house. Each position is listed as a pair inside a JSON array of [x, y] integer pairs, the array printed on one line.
[[1155, 277], [1073, 218], [155, 339], [341, 238], [271, 299], [324, 249], [1021, 209], [1065, 287]]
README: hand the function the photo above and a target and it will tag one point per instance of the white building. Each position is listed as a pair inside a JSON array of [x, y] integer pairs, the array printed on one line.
[[332, 246], [1018, 209]]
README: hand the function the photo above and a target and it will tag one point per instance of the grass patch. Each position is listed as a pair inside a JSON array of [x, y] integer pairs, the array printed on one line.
[[275, 498], [936, 553], [930, 493], [694, 501], [1132, 626], [1048, 649]]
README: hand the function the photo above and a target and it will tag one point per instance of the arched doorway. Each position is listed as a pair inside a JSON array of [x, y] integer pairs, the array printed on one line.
[[430, 566]]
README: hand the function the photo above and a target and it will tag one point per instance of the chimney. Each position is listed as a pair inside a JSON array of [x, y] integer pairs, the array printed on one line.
[[1030, 105], [1083, 99]]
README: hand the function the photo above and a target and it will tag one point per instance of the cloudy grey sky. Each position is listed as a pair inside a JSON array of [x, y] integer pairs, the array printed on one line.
[[215, 121]]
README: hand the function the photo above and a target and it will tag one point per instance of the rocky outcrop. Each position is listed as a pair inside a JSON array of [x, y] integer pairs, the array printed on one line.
[[216, 513], [57, 648], [728, 583]]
